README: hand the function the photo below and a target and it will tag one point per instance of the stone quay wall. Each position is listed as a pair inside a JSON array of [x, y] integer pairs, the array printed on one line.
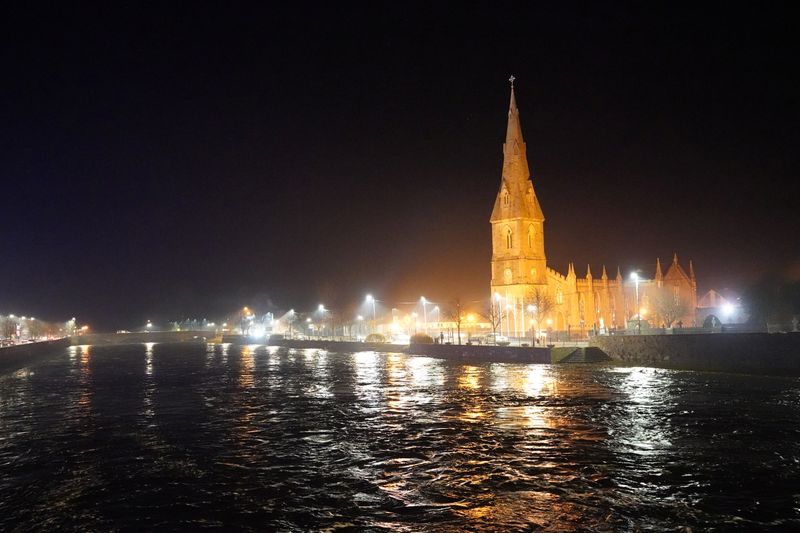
[[474, 352], [137, 338], [15, 357], [748, 353], [483, 353], [334, 346]]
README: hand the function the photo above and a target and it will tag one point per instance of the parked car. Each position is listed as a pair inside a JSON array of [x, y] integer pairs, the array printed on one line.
[[497, 339]]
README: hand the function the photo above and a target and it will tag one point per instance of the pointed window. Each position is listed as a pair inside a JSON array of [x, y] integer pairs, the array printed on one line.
[[509, 238], [559, 296], [505, 198], [530, 236]]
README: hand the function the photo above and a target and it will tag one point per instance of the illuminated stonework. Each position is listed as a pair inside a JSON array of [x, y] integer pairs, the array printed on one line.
[[520, 275]]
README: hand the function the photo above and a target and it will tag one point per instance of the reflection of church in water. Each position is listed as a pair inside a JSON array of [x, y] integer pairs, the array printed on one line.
[[521, 277]]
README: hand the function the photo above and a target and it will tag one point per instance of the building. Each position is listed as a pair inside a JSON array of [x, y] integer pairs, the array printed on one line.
[[714, 308], [532, 295]]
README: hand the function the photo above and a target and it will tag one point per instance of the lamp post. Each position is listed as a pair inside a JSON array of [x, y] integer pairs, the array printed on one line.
[[438, 318], [532, 311], [371, 300], [360, 323], [425, 312], [635, 278], [499, 315]]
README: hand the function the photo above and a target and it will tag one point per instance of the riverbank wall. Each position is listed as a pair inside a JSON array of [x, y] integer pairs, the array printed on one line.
[[99, 339], [746, 353], [334, 346], [482, 353], [475, 352], [15, 357]]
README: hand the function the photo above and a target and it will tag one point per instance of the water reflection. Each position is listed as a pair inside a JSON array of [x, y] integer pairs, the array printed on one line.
[[148, 358], [157, 436]]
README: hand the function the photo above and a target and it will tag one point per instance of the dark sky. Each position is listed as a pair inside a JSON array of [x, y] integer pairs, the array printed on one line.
[[166, 159]]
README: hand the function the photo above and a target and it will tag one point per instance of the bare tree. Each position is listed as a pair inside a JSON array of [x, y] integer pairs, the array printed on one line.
[[541, 304], [668, 305], [495, 314], [8, 327], [454, 314], [541, 301], [36, 329]]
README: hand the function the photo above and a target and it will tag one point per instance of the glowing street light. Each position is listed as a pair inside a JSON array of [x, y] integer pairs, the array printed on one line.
[[372, 300], [425, 312], [635, 278], [532, 310]]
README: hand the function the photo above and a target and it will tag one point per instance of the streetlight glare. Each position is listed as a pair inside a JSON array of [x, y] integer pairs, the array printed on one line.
[[634, 276]]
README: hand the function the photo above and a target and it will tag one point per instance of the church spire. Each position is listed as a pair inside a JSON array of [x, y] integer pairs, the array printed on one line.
[[513, 129], [604, 276], [659, 276], [691, 270], [516, 198]]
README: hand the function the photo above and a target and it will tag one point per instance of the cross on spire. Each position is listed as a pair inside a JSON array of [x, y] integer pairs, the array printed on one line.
[[511, 80]]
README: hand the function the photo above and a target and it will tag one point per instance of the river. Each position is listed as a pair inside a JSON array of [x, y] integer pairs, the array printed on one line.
[[189, 436]]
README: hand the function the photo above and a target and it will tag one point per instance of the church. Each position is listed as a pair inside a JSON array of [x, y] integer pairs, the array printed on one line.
[[532, 295]]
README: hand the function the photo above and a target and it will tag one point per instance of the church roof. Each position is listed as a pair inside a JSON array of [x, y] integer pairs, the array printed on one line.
[[712, 299], [675, 271]]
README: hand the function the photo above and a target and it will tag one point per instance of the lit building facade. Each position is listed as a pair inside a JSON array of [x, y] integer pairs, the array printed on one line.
[[521, 277]]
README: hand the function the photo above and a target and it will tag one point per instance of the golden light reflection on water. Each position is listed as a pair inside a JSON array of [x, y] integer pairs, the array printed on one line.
[[85, 397], [246, 367], [396, 391], [535, 509], [470, 377], [470, 380]]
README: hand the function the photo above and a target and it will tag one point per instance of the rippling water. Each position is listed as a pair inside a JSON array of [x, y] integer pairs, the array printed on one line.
[[187, 436]]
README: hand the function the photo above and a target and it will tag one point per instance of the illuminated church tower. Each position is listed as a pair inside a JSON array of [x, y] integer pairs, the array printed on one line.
[[518, 260], [522, 281]]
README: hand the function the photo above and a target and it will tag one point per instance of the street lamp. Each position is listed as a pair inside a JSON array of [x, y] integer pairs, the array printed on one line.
[[425, 312], [532, 311], [635, 278], [438, 318], [372, 300]]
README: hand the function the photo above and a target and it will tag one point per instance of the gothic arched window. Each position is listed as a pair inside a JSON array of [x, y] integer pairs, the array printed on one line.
[[509, 238], [505, 198], [530, 236]]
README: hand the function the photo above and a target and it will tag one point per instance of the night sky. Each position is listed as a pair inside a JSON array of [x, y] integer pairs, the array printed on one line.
[[168, 160]]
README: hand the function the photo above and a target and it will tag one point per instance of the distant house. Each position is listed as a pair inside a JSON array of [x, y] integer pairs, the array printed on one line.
[[725, 310]]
